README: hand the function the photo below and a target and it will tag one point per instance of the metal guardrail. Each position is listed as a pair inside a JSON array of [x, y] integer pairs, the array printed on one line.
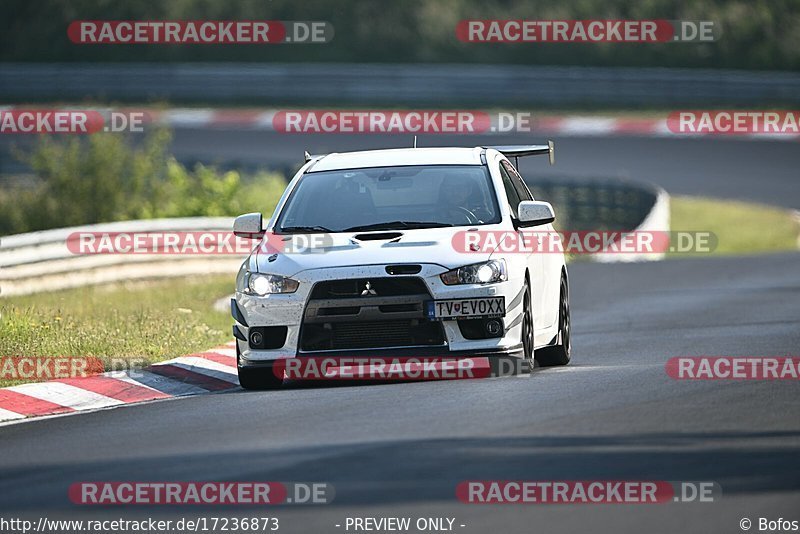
[[43, 261], [609, 204], [404, 84], [11, 246], [606, 205]]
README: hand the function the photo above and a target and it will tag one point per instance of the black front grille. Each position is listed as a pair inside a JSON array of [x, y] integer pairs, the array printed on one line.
[[398, 308], [368, 313], [371, 335], [381, 287], [339, 310]]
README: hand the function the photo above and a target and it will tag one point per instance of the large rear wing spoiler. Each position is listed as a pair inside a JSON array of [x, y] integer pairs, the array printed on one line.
[[520, 151], [509, 151]]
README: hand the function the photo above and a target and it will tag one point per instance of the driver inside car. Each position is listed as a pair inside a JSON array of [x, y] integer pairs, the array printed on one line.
[[456, 194]]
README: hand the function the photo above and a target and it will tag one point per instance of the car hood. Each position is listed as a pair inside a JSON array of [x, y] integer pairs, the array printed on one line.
[[429, 245]]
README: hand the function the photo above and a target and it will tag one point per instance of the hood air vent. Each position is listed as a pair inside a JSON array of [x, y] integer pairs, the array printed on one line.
[[378, 236], [403, 269]]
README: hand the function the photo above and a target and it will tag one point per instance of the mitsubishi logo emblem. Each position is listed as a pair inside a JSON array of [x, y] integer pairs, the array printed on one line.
[[368, 291]]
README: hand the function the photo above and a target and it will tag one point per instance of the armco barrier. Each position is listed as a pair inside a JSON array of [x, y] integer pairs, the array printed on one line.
[[42, 261], [396, 85], [594, 203], [605, 205]]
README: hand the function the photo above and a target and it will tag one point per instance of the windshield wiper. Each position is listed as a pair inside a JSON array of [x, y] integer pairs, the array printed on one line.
[[305, 229], [396, 225]]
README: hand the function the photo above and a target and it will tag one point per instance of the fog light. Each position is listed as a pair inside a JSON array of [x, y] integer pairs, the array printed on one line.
[[256, 338], [494, 327], [267, 337]]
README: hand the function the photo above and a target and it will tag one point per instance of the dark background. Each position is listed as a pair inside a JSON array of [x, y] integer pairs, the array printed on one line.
[[757, 34]]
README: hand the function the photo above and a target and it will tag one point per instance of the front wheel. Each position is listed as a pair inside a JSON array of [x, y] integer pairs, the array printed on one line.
[[559, 354], [527, 324], [511, 365]]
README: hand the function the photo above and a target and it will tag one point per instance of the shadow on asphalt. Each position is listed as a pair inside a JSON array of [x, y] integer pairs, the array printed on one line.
[[417, 471]]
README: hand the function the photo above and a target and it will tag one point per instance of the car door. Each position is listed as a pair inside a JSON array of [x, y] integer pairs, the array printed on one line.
[[533, 260], [548, 264]]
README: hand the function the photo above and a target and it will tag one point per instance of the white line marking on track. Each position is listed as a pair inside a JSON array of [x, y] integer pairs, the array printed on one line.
[[6, 415], [208, 368], [66, 395]]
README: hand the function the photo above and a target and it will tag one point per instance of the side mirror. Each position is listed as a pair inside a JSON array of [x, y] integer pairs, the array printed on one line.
[[534, 213], [249, 226]]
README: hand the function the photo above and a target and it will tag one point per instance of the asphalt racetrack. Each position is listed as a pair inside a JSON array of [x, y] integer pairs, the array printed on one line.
[[401, 449], [753, 170]]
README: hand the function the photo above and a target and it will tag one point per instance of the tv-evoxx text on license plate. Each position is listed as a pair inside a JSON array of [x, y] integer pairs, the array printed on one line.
[[466, 308]]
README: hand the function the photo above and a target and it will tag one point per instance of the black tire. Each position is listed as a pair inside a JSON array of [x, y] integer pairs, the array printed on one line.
[[527, 325], [511, 365], [559, 354], [257, 378]]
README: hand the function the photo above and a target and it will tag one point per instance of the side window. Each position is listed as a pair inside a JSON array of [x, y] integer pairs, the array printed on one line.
[[511, 191], [522, 190]]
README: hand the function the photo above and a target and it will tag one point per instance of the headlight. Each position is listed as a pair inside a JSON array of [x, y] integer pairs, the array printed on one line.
[[267, 284], [489, 272]]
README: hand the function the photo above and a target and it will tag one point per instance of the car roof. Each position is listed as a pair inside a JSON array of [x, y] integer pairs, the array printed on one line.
[[398, 156]]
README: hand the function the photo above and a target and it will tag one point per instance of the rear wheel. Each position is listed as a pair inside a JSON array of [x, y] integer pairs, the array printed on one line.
[[559, 354], [256, 378]]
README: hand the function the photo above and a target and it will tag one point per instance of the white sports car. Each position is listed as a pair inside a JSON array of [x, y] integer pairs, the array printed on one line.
[[385, 277]]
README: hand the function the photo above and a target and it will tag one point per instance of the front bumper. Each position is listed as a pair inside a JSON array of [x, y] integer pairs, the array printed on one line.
[[299, 310]]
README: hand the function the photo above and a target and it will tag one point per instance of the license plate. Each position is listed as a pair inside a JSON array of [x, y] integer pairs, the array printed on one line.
[[466, 308]]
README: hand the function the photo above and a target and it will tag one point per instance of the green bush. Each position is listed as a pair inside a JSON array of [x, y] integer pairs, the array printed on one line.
[[103, 177]]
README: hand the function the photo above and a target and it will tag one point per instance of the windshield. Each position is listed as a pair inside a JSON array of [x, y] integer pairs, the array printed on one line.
[[387, 198]]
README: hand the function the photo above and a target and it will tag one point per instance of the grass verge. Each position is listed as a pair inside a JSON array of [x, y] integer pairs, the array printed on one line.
[[135, 321], [740, 227]]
